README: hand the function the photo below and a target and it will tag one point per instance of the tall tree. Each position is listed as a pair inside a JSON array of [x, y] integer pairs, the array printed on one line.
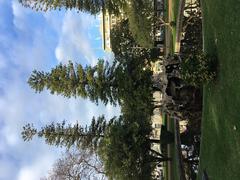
[[122, 144], [95, 82], [90, 6], [126, 150], [60, 134], [110, 84]]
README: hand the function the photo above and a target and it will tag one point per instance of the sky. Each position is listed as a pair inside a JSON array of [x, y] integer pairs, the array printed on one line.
[[34, 40]]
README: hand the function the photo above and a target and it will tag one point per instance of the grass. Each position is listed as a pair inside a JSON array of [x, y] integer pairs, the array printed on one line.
[[173, 164], [173, 154], [165, 166], [220, 146], [175, 4]]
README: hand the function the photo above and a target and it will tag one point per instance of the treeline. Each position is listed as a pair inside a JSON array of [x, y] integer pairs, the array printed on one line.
[[122, 143]]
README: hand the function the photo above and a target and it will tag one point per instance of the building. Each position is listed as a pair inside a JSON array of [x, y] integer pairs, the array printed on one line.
[[157, 121], [159, 24], [108, 21]]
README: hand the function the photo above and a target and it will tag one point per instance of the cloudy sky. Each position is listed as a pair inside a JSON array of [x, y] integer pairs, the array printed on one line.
[[34, 40]]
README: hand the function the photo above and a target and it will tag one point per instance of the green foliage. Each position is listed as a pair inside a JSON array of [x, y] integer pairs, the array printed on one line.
[[125, 151], [192, 28], [69, 81], [92, 7], [198, 69], [60, 134], [28, 132], [37, 80], [109, 84], [140, 16], [123, 42]]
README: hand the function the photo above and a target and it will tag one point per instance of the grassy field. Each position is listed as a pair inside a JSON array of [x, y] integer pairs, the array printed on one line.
[[175, 4], [220, 147], [165, 164], [173, 154], [172, 169]]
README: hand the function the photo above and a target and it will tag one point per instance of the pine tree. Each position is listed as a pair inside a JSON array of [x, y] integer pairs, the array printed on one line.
[[95, 83], [90, 6], [67, 135]]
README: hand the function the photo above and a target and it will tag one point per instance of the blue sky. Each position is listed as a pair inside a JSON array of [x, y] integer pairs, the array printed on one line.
[[34, 40]]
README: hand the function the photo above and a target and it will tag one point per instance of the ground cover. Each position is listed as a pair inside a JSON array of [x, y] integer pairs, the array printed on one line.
[[173, 154], [220, 147], [165, 164], [174, 9]]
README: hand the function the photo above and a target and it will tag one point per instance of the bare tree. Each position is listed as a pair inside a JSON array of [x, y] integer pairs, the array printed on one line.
[[77, 165]]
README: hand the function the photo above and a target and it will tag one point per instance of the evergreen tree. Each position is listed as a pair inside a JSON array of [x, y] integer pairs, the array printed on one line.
[[90, 6], [60, 134], [95, 82], [124, 79], [126, 149]]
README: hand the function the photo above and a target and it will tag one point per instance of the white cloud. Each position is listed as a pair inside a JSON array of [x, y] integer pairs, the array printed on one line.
[[20, 13], [37, 169], [75, 42], [34, 45]]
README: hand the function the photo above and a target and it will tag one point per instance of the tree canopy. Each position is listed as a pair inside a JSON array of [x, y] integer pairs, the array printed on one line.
[[95, 82], [92, 7], [60, 134], [123, 42], [126, 149], [104, 82], [123, 144]]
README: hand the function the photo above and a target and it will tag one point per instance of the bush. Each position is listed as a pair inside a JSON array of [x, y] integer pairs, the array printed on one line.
[[198, 69]]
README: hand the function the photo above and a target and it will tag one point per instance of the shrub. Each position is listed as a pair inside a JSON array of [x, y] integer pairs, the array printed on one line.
[[198, 69]]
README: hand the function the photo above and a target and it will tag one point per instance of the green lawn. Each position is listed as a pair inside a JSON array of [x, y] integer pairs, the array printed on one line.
[[173, 154], [173, 168], [175, 4], [165, 166], [220, 147]]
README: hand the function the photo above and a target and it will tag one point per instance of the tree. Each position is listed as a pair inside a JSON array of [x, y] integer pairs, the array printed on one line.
[[110, 84], [142, 20], [122, 144], [60, 134], [126, 150], [77, 164], [139, 14], [92, 7], [123, 42], [95, 82]]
